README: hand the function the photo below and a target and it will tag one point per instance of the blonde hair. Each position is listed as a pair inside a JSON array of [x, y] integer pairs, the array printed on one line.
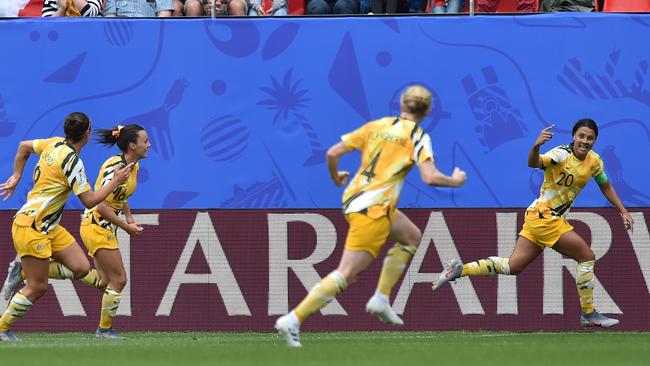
[[416, 99], [71, 10]]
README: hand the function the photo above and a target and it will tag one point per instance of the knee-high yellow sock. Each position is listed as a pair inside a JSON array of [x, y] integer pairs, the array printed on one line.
[[58, 271], [320, 295], [110, 303], [93, 279], [585, 284], [393, 267], [489, 266], [18, 306]]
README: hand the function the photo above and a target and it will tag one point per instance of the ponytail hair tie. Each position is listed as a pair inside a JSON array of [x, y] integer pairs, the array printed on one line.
[[116, 133]]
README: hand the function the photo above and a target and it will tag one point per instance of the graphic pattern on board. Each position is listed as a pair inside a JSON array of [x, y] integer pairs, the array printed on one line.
[[241, 111]]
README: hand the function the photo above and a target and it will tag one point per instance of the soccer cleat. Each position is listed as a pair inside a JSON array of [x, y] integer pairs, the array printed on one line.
[[596, 319], [450, 272], [13, 280], [8, 337], [289, 328], [382, 310], [108, 334]]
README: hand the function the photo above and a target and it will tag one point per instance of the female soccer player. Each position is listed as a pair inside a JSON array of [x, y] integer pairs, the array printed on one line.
[[36, 232], [99, 226], [389, 148], [567, 169]]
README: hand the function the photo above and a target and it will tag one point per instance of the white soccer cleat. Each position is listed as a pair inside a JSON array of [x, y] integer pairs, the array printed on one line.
[[12, 283], [381, 309], [108, 334], [596, 319], [8, 337], [289, 326], [451, 271]]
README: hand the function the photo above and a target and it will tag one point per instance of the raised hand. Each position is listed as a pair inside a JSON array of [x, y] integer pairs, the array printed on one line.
[[545, 135], [7, 188]]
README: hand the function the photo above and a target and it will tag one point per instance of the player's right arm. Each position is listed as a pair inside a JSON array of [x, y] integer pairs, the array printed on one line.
[[355, 140], [91, 199], [534, 159], [334, 154], [25, 149]]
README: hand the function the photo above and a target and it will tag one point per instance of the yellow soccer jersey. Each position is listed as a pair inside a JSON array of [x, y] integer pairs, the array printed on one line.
[[564, 177], [58, 171], [389, 148], [119, 196]]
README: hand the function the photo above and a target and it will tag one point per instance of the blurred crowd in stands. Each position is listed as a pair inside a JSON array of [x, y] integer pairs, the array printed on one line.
[[201, 8]]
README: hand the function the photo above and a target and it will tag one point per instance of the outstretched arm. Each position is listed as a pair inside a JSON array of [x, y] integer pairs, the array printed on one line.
[[609, 192], [25, 149], [333, 156], [432, 176]]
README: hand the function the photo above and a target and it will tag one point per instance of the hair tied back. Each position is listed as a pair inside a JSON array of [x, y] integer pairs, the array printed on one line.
[[116, 133]]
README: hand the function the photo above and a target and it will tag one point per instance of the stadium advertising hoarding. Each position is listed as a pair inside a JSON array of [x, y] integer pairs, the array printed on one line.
[[233, 270]]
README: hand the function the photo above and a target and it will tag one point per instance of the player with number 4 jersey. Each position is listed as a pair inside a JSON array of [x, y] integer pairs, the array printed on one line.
[[389, 148]]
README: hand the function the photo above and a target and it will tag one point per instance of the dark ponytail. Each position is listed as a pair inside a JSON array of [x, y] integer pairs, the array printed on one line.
[[586, 122], [75, 126], [120, 135]]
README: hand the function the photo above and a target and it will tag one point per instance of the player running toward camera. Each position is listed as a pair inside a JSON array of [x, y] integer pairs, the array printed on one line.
[[567, 169], [99, 225], [36, 232], [389, 148]]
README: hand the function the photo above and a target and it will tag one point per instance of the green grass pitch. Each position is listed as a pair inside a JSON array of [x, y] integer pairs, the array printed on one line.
[[332, 349]]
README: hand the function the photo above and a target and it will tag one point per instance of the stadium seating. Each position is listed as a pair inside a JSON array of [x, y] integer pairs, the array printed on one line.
[[510, 6], [296, 7], [34, 8], [505, 6], [627, 5]]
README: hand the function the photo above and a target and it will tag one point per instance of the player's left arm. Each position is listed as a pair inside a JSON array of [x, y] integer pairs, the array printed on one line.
[[127, 213], [334, 154], [610, 193], [107, 212]]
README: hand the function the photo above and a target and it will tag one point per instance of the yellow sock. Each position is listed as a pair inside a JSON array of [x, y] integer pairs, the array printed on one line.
[[93, 279], [489, 266], [585, 284], [18, 306], [322, 294], [58, 271], [393, 267], [110, 303]]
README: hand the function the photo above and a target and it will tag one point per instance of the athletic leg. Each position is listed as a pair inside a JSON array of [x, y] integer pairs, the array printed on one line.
[[573, 246]]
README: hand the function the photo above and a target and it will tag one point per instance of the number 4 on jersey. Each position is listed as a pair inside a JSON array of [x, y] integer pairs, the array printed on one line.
[[369, 171]]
